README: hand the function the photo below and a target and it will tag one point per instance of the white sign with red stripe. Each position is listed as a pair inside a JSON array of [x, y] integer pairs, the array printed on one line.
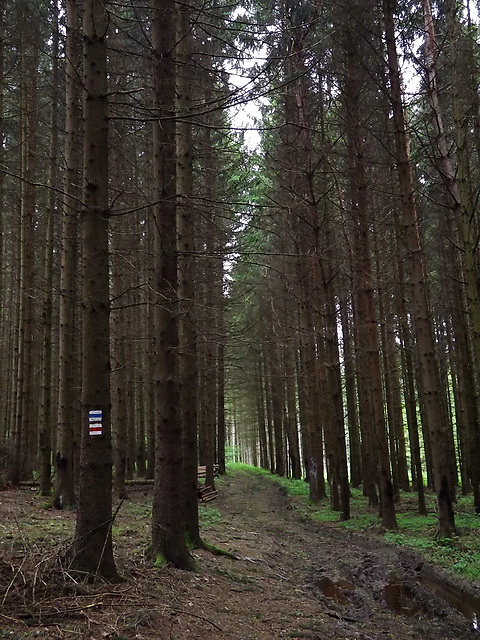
[[95, 425]]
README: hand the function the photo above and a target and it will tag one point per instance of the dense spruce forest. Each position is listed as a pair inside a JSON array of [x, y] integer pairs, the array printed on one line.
[[245, 230]]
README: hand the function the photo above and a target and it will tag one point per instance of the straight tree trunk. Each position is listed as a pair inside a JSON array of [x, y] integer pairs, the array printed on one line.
[[408, 375], [221, 425], [430, 385], [64, 492], [141, 414], [368, 348], [92, 551], [186, 228], [25, 425], [3, 295], [119, 393], [311, 422], [304, 229], [120, 382], [150, 386], [338, 418], [210, 328], [360, 295], [168, 519], [461, 192], [291, 406], [350, 393], [277, 389], [395, 408], [261, 418], [46, 408], [267, 392]]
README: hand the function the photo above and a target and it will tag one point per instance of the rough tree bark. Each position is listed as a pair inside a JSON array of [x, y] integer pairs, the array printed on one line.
[[168, 519], [92, 552], [64, 493], [430, 386], [370, 388], [45, 417], [186, 228]]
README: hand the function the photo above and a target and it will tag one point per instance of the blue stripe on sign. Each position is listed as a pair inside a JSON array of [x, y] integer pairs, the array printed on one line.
[[94, 416]]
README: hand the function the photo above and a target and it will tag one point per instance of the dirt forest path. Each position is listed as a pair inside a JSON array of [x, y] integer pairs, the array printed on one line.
[[298, 579], [290, 578]]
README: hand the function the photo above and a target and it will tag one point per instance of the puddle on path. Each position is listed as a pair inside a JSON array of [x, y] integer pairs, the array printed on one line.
[[400, 597], [467, 603], [335, 590]]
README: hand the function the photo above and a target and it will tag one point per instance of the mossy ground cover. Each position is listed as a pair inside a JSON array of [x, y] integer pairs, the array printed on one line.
[[208, 516], [460, 553]]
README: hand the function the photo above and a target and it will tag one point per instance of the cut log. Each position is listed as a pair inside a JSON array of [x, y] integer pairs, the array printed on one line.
[[205, 494], [202, 471]]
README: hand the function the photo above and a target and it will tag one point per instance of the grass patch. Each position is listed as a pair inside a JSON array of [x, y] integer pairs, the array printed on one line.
[[460, 554], [293, 487], [240, 466], [209, 516], [137, 510]]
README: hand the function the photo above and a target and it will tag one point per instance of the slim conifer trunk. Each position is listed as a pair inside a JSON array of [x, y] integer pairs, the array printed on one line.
[[376, 461], [461, 193], [64, 492], [92, 551], [46, 407], [168, 519], [3, 293], [25, 424], [186, 227], [291, 404], [430, 385], [350, 393], [221, 424]]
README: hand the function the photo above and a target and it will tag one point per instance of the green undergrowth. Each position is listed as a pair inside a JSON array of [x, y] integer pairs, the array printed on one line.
[[460, 554], [209, 516], [240, 466]]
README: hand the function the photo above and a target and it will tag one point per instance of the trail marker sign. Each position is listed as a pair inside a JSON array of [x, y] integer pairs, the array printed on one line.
[[95, 422]]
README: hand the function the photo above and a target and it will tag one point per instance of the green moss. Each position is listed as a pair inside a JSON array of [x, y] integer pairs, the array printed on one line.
[[123, 530], [189, 542], [160, 561], [218, 551]]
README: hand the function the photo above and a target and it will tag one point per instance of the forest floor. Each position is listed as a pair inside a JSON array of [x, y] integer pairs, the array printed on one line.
[[290, 578]]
